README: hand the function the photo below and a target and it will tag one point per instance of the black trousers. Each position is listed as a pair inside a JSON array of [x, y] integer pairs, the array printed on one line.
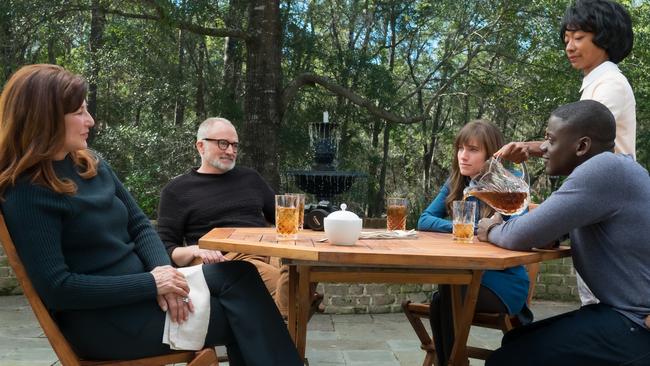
[[442, 323], [243, 317], [594, 335]]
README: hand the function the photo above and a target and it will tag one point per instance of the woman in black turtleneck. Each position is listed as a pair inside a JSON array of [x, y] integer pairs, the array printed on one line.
[[92, 254]]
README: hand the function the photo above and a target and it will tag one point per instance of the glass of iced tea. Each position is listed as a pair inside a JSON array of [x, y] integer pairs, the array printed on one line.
[[396, 210], [463, 220], [301, 209], [286, 216]]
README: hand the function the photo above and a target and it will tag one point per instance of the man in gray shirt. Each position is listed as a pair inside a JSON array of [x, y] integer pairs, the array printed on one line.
[[604, 206]]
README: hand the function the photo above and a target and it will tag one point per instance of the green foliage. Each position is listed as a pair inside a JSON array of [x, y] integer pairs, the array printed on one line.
[[400, 56], [145, 159], [635, 68]]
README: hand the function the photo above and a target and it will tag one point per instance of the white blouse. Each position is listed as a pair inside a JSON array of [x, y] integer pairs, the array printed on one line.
[[606, 84]]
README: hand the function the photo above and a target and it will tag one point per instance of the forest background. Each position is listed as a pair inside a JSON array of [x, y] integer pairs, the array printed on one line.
[[399, 77]]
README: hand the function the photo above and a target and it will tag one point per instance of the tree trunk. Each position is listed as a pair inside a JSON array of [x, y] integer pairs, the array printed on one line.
[[201, 113], [138, 113], [262, 104], [51, 53], [428, 156], [96, 42], [374, 209], [384, 166], [7, 42], [179, 109], [376, 197], [232, 62]]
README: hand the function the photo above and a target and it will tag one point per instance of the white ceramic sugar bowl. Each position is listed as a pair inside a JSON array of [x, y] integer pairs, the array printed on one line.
[[342, 227]]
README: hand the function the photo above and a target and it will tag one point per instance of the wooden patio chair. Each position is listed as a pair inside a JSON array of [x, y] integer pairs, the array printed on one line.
[[415, 312], [63, 349], [504, 322]]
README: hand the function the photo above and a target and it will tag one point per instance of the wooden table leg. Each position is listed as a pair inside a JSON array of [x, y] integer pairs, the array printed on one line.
[[463, 315], [303, 309], [456, 306], [292, 318]]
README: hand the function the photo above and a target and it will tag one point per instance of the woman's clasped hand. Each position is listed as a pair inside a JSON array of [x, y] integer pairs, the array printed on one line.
[[173, 292]]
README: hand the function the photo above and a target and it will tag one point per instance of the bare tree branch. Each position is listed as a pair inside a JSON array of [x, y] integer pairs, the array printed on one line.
[[332, 86], [312, 79], [180, 24], [133, 15]]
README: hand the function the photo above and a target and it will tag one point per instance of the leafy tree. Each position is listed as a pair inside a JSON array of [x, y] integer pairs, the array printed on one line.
[[399, 77]]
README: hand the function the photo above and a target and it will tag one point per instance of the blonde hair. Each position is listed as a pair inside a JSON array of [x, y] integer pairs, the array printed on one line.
[[32, 126], [490, 138]]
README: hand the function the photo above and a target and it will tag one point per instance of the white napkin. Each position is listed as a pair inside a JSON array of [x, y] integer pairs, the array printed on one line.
[[395, 234], [190, 335]]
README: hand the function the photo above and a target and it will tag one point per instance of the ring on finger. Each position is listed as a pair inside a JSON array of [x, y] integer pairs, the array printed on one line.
[[185, 299]]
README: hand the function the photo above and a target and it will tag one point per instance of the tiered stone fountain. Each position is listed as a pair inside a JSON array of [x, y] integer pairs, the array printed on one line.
[[323, 180]]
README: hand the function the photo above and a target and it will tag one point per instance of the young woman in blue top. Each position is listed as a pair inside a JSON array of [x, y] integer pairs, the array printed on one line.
[[501, 291]]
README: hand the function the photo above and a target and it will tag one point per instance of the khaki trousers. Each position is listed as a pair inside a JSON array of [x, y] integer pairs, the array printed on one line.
[[275, 277]]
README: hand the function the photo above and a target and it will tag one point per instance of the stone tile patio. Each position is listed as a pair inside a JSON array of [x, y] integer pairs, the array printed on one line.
[[332, 340]]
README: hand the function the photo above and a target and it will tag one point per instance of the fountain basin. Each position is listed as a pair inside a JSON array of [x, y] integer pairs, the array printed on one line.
[[324, 184]]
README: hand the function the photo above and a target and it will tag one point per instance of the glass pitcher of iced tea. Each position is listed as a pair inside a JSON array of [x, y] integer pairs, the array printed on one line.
[[503, 185]]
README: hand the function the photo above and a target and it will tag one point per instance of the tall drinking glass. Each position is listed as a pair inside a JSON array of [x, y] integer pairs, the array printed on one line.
[[396, 209], [463, 220], [286, 216], [301, 209]]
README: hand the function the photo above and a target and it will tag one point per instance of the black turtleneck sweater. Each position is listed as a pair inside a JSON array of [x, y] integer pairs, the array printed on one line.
[[194, 203], [93, 249]]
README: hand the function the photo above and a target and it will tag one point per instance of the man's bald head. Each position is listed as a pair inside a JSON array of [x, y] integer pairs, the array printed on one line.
[[592, 119]]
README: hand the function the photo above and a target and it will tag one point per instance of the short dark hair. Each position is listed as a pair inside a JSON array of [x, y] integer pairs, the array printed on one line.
[[589, 118], [608, 20]]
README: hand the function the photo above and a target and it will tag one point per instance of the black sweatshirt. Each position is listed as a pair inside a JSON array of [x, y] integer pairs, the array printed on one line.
[[194, 203]]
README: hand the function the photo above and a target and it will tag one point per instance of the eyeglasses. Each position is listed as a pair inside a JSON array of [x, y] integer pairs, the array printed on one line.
[[223, 144]]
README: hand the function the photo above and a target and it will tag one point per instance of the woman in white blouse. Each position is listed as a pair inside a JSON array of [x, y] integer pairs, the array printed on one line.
[[597, 35]]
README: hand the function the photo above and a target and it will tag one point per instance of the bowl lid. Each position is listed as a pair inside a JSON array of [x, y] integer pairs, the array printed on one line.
[[343, 215]]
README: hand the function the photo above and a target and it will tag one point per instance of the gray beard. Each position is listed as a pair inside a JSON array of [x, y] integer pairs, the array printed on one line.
[[221, 166]]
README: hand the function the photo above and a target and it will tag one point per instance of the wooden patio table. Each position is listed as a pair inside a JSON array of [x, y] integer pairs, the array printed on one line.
[[429, 258]]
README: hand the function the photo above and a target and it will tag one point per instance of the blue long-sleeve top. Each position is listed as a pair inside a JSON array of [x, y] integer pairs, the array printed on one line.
[[510, 285], [434, 218]]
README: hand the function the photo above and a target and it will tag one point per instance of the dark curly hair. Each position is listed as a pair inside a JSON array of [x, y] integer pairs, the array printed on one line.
[[608, 20]]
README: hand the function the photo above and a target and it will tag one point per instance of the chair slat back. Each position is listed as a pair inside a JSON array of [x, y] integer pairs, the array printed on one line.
[[61, 347], [532, 268]]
